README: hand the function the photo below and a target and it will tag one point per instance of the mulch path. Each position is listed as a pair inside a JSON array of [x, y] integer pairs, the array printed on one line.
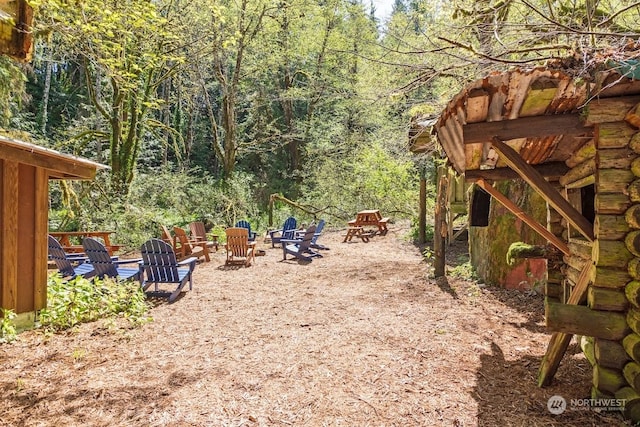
[[359, 337]]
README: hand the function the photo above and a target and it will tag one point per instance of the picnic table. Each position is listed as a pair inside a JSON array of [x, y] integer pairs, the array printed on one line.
[[71, 241], [366, 218]]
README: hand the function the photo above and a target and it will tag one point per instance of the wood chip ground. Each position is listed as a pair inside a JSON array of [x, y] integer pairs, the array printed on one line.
[[361, 337]]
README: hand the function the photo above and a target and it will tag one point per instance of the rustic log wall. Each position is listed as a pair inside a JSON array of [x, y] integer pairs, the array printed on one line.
[[610, 251], [615, 284], [631, 343]]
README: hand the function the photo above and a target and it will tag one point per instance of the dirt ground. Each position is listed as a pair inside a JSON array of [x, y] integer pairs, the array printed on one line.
[[360, 337]]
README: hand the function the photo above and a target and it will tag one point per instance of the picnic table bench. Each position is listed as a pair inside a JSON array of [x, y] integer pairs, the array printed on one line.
[[366, 218], [71, 241]]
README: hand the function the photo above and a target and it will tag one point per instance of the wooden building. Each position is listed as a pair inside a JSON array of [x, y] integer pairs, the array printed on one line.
[[16, 33], [573, 136], [25, 171]]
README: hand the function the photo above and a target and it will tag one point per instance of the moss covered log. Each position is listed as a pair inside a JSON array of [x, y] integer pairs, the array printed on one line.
[[610, 278], [606, 299], [631, 344], [632, 293], [611, 253], [610, 227], [609, 380], [581, 320], [613, 180], [632, 402], [610, 354]]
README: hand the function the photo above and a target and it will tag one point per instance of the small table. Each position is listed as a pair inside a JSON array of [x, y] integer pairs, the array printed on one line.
[[65, 240], [354, 231], [366, 218]]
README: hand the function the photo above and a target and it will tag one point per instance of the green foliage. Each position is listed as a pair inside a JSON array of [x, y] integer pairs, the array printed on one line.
[[156, 198], [8, 331], [370, 177], [464, 271], [519, 250], [12, 90], [428, 232], [125, 50], [80, 300]]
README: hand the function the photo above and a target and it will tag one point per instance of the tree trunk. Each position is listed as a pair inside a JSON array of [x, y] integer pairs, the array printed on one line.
[[45, 97]]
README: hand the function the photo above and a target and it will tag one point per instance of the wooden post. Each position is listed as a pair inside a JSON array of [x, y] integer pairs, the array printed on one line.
[[440, 230], [422, 213], [9, 241], [560, 341]]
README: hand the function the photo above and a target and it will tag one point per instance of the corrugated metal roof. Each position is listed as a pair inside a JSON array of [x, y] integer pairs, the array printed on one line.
[[520, 93]]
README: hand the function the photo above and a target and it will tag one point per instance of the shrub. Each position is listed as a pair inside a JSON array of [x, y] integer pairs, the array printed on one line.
[[8, 331], [80, 300]]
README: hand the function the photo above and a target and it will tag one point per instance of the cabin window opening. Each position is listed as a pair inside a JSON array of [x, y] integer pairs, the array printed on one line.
[[587, 202], [480, 206]]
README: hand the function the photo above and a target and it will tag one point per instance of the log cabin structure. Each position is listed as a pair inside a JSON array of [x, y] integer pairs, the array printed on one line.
[[571, 132], [25, 171], [16, 37]]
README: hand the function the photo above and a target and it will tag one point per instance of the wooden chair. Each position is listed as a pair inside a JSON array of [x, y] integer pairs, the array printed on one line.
[[185, 248], [167, 237], [159, 265], [65, 262], [238, 247], [286, 232], [300, 248], [245, 224], [314, 241], [105, 265], [199, 234]]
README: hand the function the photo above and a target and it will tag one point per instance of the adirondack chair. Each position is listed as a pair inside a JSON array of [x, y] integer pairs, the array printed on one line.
[[199, 234], [65, 262], [314, 241], [300, 248], [238, 247], [245, 224], [185, 247], [286, 232], [105, 265], [167, 237], [159, 265]]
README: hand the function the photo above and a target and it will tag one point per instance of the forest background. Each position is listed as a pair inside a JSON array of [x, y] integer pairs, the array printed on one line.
[[205, 108]]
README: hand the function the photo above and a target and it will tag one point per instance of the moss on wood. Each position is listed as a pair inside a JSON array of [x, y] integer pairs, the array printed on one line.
[[519, 250]]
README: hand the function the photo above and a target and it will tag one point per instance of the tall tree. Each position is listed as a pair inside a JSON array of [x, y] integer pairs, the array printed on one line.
[[124, 48]]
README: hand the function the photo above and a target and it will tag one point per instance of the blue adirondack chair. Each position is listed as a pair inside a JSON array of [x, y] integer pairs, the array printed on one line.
[[314, 241], [300, 248], [65, 262], [286, 232], [105, 265], [159, 265], [245, 224]]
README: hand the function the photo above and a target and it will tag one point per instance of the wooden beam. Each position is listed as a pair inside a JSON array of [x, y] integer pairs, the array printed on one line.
[[551, 171], [422, 214], [539, 228], [440, 229], [581, 320], [60, 167], [9, 229], [41, 230], [544, 188], [524, 127], [559, 340]]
